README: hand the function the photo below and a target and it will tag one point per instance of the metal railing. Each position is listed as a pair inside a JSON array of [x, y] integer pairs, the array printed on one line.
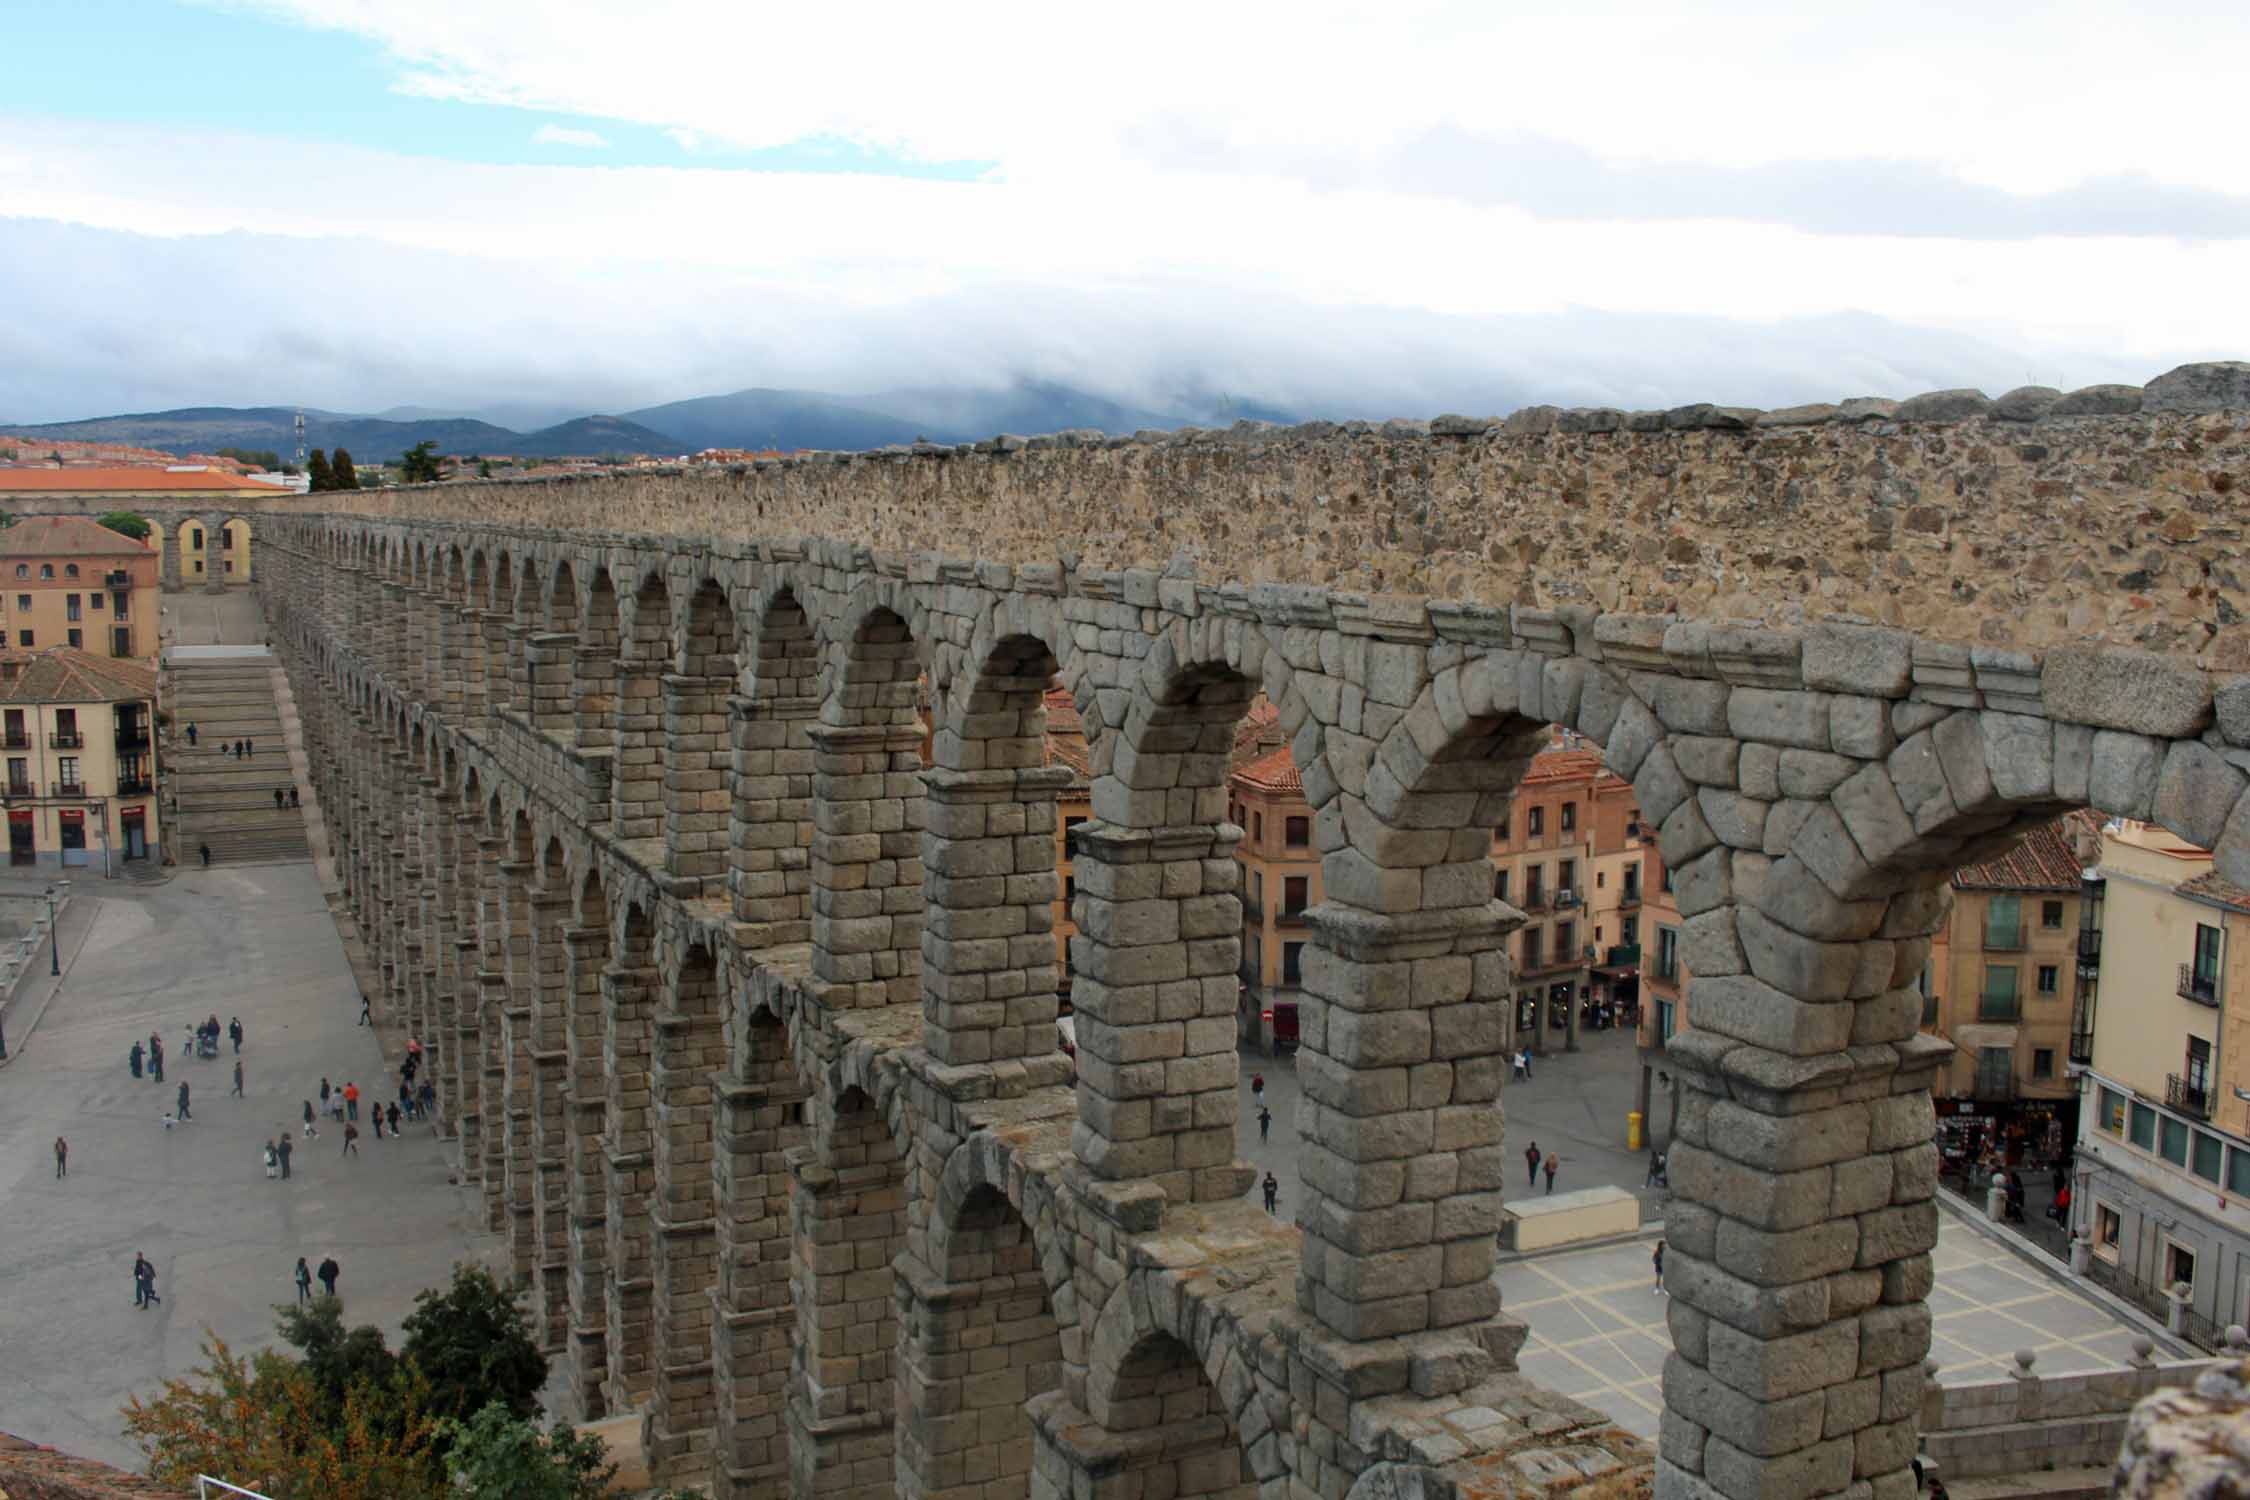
[[21, 789], [134, 786], [133, 739], [2203, 989], [1565, 899], [68, 789], [2188, 1096], [1629, 897], [18, 739], [66, 739], [2089, 945], [206, 1487]]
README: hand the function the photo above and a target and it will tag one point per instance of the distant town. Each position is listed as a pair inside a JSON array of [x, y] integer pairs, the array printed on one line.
[[285, 471]]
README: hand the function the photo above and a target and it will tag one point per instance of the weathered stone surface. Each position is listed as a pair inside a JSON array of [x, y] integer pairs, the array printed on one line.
[[1944, 406], [2098, 401], [2212, 386], [2196, 792], [2138, 692], [2026, 403], [2123, 774]]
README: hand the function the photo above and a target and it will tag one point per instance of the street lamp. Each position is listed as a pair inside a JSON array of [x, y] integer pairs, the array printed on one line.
[[54, 939]]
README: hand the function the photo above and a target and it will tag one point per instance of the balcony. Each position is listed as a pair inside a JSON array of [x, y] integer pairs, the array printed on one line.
[[66, 739], [2003, 937], [2004, 1009], [18, 740], [2089, 947], [135, 786], [117, 580], [19, 790], [1565, 899], [1995, 1088], [2188, 1096], [1535, 899], [2203, 989], [66, 789], [1629, 898], [1293, 916], [134, 737], [2082, 1047]]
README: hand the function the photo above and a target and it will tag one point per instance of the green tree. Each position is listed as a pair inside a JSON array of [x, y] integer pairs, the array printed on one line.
[[473, 1343], [125, 523], [498, 1455], [335, 1358], [316, 464], [419, 464], [484, 468], [340, 473]]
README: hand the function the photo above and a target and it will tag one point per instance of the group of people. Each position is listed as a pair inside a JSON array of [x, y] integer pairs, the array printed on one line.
[[239, 749], [327, 1273], [1534, 1159]]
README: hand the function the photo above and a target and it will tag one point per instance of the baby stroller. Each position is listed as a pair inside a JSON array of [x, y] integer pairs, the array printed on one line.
[[206, 1044]]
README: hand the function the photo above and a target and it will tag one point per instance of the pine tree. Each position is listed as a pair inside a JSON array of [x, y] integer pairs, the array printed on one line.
[[341, 473], [317, 467]]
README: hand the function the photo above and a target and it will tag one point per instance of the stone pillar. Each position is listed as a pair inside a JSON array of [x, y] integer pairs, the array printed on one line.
[[759, 1122], [847, 1220], [499, 652], [867, 864], [586, 1105], [988, 931], [769, 842], [168, 578], [593, 697], [214, 554], [1159, 938], [1401, 1166], [637, 770], [393, 637], [629, 1180], [550, 1105], [697, 755], [690, 1057], [467, 649], [520, 989]]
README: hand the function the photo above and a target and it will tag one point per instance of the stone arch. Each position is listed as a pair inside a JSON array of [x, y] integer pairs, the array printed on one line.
[[470, 621], [771, 830], [586, 943], [691, 1048], [1164, 1417], [630, 994], [499, 650], [698, 757], [595, 665], [637, 768], [868, 815]]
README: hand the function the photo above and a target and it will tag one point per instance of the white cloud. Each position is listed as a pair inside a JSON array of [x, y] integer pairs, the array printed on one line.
[[567, 135]]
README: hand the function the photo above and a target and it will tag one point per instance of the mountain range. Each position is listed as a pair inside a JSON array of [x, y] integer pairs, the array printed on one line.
[[755, 418]]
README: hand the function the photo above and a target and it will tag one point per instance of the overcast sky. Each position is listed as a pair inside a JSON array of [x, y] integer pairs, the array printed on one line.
[[1392, 208]]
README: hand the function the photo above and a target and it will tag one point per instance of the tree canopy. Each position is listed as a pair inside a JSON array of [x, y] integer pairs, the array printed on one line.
[[316, 465], [126, 523], [473, 1341], [419, 464], [341, 475]]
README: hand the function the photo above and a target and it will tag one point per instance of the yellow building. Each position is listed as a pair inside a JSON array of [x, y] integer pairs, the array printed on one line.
[[65, 581], [81, 782], [2003, 978], [225, 557]]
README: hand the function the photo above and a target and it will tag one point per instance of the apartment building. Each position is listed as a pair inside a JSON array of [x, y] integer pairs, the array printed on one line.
[[65, 581], [76, 730], [2162, 1168]]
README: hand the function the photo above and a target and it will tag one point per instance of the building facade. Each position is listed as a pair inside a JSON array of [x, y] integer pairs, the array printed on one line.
[[2162, 1165], [71, 583], [81, 760], [207, 548]]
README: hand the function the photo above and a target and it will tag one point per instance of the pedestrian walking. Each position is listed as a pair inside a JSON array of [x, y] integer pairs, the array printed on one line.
[[310, 1133], [329, 1271], [351, 1141], [1660, 1270], [145, 1274], [183, 1109], [324, 1094], [351, 1100], [278, 802], [304, 1282], [133, 1058], [394, 1119], [1265, 1122], [234, 1033], [191, 736], [155, 1058], [293, 797], [273, 1162], [1531, 1158], [250, 748], [282, 1148], [238, 1078], [428, 1096], [364, 1011], [62, 1157], [1527, 1064], [376, 1114], [1553, 1161], [205, 851], [1656, 1177], [406, 1099], [238, 751], [1273, 1191], [1515, 1067], [1258, 1088]]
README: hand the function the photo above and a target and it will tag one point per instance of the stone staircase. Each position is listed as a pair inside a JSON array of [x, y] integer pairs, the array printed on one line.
[[217, 799]]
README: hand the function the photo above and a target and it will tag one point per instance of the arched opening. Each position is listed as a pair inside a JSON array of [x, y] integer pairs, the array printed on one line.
[[848, 1225], [698, 750], [552, 654], [587, 944], [595, 668], [630, 992], [470, 622], [867, 822], [234, 552], [988, 948], [551, 903], [964, 1421], [499, 649], [771, 837], [636, 774], [519, 1013], [525, 625], [691, 1050], [1165, 1425]]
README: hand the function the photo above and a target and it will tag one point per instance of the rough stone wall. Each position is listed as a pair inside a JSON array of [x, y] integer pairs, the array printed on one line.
[[1813, 789], [2192, 1443]]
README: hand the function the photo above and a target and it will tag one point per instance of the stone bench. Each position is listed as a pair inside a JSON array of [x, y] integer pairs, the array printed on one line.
[[1551, 1219]]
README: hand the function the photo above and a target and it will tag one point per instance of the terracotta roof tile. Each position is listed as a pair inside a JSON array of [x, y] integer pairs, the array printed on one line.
[[64, 675], [77, 481], [67, 536], [1275, 771], [2047, 860], [2210, 887]]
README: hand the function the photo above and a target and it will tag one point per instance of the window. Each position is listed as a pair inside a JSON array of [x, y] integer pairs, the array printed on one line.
[[2198, 1073], [2208, 1153], [1929, 1009], [1500, 832], [1531, 958], [2003, 922], [70, 606], [66, 771], [1996, 1072], [94, 601], [1629, 932], [1296, 833], [19, 776], [1535, 885], [1535, 822], [2179, 1264], [121, 640], [2046, 979], [123, 598], [1666, 883], [2107, 1226], [1293, 895], [23, 570], [1292, 963], [2172, 1141], [1499, 885], [1667, 953], [1997, 1002], [1566, 875], [23, 601], [199, 565], [2112, 1117], [2042, 1062], [1257, 825], [2238, 1171], [70, 570], [1630, 892], [1566, 941], [77, 638], [1664, 1020], [46, 570], [2051, 915], [2143, 1131], [1569, 816], [195, 538], [1601, 880], [23, 637], [2203, 980]]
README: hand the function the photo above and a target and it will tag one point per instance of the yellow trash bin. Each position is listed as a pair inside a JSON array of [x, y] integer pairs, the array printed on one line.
[[1632, 1130]]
